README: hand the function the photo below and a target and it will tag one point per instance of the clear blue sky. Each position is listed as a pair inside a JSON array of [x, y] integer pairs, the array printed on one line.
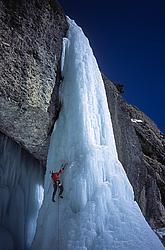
[[128, 40]]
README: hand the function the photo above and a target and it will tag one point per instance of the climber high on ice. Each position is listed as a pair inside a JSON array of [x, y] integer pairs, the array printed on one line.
[[56, 181]]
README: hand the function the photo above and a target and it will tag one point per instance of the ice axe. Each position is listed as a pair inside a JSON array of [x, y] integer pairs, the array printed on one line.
[[63, 166]]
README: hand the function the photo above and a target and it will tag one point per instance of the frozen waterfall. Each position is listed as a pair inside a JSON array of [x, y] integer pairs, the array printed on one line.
[[21, 193], [98, 211]]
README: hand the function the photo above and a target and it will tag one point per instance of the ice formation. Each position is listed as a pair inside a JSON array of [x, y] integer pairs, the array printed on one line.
[[98, 211], [21, 193]]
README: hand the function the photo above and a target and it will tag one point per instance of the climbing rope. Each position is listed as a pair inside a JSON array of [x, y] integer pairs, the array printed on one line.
[[58, 222]]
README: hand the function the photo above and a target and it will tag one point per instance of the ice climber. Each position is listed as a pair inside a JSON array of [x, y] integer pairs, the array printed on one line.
[[56, 181]]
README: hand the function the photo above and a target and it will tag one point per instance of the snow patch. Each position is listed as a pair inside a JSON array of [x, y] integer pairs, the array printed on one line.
[[160, 232], [136, 120]]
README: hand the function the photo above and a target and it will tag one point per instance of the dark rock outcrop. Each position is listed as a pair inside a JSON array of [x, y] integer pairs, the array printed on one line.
[[30, 42], [154, 159], [141, 150]]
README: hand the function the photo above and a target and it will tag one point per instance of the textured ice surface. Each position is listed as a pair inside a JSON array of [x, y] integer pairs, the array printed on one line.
[[21, 191], [98, 211]]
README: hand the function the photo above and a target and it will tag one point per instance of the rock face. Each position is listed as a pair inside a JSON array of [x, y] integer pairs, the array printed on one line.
[[30, 41], [153, 149], [141, 150]]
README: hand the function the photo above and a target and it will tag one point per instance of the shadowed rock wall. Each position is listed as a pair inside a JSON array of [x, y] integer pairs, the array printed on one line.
[[141, 150]]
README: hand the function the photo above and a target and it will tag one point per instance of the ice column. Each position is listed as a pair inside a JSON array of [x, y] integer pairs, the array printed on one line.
[[98, 210], [21, 192]]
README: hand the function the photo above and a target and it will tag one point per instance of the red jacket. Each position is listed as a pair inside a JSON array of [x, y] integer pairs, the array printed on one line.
[[56, 176]]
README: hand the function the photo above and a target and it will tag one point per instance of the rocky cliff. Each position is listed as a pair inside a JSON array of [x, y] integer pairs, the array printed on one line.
[[141, 150], [30, 40]]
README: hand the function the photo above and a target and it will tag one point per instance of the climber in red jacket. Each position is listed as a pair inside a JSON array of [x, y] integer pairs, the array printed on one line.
[[56, 181]]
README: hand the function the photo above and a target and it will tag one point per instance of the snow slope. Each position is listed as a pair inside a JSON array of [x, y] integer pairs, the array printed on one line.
[[98, 211]]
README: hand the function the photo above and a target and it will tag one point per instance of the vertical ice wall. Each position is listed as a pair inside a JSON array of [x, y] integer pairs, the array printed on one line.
[[98, 210], [21, 192]]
